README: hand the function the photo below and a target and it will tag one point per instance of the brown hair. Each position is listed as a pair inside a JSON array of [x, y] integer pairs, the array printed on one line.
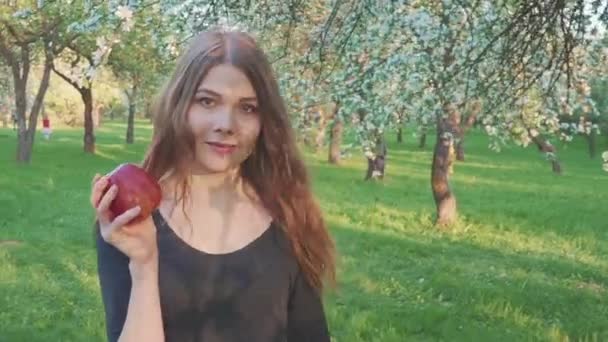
[[275, 169]]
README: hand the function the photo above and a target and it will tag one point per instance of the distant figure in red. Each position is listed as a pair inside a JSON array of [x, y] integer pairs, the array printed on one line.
[[46, 127]]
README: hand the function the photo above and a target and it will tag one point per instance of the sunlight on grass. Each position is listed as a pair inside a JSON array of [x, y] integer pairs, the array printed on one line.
[[500, 310], [9, 270], [528, 259]]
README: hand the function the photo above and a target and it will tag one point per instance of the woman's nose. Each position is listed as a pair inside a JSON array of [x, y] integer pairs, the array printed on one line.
[[224, 121]]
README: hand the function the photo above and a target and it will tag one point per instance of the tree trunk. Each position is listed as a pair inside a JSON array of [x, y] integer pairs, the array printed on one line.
[[95, 116], [591, 140], [464, 127], [26, 131], [305, 129], [460, 149], [131, 118], [335, 141], [335, 138], [370, 168], [89, 133], [445, 201], [376, 165], [148, 114], [422, 139], [454, 127], [321, 127], [130, 123], [399, 135], [556, 166], [545, 147], [24, 147]]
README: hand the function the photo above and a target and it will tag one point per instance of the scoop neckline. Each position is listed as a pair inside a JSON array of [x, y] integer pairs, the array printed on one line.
[[243, 249]]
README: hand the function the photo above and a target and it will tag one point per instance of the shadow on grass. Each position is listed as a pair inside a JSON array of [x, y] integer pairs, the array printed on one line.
[[496, 199], [52, 292], [446, 290]]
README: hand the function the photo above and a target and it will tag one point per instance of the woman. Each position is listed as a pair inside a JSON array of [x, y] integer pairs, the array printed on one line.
[[238, 249]]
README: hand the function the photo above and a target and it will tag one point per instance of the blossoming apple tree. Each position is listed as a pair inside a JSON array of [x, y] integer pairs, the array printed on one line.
[[436, 60], [100, 26], [140, 60], [38, 33]]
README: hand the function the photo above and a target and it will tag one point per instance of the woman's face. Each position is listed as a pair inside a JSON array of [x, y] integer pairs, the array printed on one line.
[[224, 119]]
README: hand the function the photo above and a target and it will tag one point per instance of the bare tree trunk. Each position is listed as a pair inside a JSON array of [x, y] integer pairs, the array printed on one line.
[[376, 165], [445, 201], [545, 147], [95, 116], [130, 123], [556, 166], [592, 142], [335, 141], [370, 168], [422, 143], [465, 127], [23, 148], [89, 133], [131, 118], [335, 137], [321, 127], [26, 127], [5, 117], [305, 128], [399, 135], [460, 150], [86, 94]]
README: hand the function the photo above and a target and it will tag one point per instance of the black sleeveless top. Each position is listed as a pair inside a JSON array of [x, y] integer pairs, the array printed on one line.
[[254, 294]]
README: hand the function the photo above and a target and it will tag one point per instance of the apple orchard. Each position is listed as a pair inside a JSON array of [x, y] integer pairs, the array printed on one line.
[[355, 74]]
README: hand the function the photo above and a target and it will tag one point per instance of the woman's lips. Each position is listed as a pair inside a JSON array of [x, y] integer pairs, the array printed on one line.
[[222, 148]]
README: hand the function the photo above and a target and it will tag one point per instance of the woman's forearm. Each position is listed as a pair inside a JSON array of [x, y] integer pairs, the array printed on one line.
[[144, 319]]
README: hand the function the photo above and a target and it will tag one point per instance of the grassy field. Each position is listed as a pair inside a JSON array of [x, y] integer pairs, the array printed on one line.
[[527, 262]]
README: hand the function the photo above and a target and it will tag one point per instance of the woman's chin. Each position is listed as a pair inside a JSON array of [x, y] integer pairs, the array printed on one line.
[[214, 168]]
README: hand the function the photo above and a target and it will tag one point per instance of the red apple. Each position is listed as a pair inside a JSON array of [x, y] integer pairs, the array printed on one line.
[[135, 187]]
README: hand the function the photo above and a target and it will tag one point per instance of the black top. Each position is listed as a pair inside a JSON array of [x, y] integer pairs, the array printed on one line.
[[254, 294]]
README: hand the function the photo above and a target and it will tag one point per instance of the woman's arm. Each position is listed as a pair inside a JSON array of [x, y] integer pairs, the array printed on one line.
[[306, 320], [130, 296], [144, 319]]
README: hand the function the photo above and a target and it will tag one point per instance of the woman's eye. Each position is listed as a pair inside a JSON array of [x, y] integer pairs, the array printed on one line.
[[248, 108], [206, 101]]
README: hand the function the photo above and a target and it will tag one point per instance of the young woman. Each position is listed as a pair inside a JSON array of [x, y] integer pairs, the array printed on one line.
[[238, 249]]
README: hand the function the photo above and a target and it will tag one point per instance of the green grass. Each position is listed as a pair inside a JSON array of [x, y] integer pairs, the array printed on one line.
[[528, 259]]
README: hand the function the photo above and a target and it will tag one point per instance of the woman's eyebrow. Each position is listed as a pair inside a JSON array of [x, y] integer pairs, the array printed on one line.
[[209, 91], [214, 93]]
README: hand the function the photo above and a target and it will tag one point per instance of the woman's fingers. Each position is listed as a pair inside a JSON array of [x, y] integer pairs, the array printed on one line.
[[95, 179], [99, 186], [127, 216], [120, 221], [104, 205]]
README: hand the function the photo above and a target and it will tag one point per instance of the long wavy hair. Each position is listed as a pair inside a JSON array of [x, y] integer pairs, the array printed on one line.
[[275, 169]]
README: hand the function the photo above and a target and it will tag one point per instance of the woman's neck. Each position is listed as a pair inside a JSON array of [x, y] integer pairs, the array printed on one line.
[[218, 190], [224, 182]]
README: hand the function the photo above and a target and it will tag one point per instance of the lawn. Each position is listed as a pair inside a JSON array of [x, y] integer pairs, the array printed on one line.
[[527, 261]]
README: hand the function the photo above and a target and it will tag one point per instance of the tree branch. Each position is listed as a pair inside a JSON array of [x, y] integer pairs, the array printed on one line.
[[66, 78]]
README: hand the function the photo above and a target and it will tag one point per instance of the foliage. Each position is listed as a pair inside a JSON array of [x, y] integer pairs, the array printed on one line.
[[64, 104], [96, 30], [140, 60]]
